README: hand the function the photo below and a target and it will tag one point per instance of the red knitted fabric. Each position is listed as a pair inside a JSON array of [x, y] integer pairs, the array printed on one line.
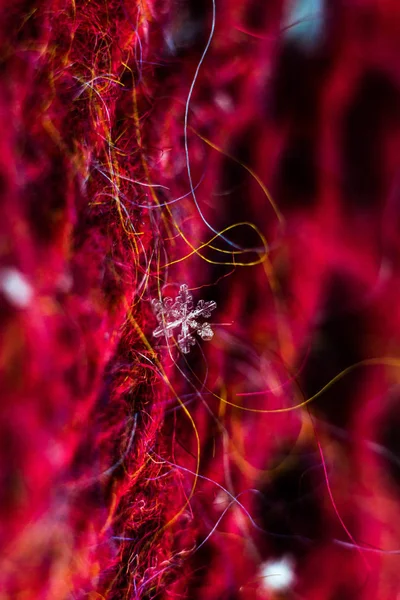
[[249, 151]]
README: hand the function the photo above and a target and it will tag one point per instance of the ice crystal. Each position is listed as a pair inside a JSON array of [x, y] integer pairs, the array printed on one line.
[[181, 313]]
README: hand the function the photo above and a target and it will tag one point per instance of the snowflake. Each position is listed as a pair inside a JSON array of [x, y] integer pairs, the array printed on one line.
[[180, 313]]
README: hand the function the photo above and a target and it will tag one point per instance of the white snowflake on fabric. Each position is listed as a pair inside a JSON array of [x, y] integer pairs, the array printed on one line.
[[180, 313]]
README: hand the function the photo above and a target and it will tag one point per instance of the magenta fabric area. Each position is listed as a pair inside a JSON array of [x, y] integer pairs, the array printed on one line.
[[199, 300]]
